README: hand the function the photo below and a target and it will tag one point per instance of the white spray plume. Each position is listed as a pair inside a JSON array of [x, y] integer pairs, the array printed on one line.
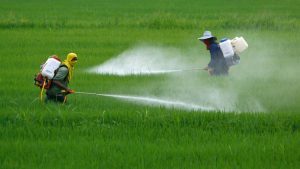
[[155, 101], [146, 60], [189, 87]]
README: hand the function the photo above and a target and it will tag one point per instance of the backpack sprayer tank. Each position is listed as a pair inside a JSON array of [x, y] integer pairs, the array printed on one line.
[[47, 72], [239, 44], [231, 49], [226, 48], [48, 69]]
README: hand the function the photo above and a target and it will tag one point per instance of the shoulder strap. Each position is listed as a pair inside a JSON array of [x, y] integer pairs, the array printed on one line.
[[62, 65]]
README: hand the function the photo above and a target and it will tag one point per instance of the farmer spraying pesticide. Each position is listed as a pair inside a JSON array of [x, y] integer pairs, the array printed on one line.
[[217, 65], [55, 77], [222, 55], [59, 87]]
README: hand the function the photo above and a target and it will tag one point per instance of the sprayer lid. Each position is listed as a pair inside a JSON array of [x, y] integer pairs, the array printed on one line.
[[55, 57], [206, 35]]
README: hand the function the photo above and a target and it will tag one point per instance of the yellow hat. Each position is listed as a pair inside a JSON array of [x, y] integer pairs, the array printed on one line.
[[72, 58]]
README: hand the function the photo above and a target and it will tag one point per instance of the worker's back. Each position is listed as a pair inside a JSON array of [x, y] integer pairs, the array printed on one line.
[[61, 76], [217, 61]]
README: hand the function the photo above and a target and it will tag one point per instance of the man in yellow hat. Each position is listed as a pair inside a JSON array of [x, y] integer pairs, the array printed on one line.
[[59, 86]]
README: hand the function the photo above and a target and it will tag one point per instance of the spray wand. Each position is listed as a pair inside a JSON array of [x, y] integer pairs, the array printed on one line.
[[189, 69], [181, 70]]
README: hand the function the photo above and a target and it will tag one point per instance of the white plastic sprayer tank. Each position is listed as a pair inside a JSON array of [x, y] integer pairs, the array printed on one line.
[[49, 67], [226, 48], [239, 44]]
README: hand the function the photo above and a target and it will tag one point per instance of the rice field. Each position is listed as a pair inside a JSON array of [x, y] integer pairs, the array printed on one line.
[[254, 121]]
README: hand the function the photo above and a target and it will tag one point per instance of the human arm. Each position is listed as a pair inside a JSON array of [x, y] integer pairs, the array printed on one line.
[[63, 87], [60, 79], [209, 70], [215, 54]]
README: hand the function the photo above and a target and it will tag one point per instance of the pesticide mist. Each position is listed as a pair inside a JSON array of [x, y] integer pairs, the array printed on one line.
[[142, 60], [244, 90], [154, 101]]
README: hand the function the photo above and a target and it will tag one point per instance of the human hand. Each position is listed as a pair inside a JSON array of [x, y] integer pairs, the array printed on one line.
[[70, 91], [210, 71], [206, 68]]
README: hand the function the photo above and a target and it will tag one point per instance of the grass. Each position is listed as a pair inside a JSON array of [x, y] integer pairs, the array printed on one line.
[[149, 139], [97, 132]]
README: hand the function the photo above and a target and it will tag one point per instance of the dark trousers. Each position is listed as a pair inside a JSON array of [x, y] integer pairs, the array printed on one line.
[[61, 98]]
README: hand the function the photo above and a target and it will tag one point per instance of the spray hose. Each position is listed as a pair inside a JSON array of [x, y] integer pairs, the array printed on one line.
[[42, 90]]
